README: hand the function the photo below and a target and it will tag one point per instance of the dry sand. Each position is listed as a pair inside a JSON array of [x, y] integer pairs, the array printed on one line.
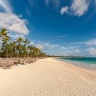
[[47, 77]]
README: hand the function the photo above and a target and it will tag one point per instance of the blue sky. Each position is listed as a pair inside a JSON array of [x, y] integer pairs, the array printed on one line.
[[57, 27]]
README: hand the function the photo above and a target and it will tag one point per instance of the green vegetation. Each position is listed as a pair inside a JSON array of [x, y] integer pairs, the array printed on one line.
[[17, 48]]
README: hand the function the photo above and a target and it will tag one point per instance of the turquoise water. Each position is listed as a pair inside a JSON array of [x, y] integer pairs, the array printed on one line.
[[87, 60], [87, 63]]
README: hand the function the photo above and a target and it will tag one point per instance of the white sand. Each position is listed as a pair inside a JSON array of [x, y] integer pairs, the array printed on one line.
[[47, 77]]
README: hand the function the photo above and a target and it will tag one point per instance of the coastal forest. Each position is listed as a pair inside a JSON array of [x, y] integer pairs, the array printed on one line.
[[19, 47]]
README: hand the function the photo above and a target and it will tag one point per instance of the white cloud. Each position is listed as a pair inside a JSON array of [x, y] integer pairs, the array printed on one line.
[[75, 43], [69, 50], [11, 21], [91, 42], [55, 49], [5, 5], [63, 10], [40, 46], [82, 50], [47, 45], [77, 50], [15, 36], [56, 3], [77, 8], [62, 36], [63, 48], [32, 43], [92, 51]]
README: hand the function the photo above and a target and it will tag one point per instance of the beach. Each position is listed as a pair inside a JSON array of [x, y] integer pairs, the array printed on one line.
[[47, 77]]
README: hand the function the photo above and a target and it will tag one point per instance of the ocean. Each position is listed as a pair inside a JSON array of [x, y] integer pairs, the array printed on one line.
[[86, 62]]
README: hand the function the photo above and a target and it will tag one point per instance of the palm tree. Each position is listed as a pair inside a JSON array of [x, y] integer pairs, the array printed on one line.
[[37, 52], [8, 51], [5, 40], [3, 32], [29, 49], [42, 55], [13, 48], [26, 41], [19, 46]]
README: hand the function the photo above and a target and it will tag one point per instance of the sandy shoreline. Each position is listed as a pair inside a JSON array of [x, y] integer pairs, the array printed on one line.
[[80, 64], [47, 77]]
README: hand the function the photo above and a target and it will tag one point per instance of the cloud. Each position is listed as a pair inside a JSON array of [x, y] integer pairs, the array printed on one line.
[[69, 50], [77, 8], [11, 21], [77, 50], [55, 49], [92, 50], [76, 43], [63, 10], [15, 36], [32, 43], [73, 50], [40, 46], [56, 3], [5, 5], [47, 45], [60, 37], [91, 42]]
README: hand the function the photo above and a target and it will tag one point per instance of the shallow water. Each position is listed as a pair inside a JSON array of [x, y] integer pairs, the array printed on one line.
[[87, 63]]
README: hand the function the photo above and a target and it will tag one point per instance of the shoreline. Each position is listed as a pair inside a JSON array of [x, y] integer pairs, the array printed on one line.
[[47, 77], [79, 64]]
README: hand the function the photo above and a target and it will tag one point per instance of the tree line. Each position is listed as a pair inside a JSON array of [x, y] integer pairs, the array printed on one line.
[[19, 47]]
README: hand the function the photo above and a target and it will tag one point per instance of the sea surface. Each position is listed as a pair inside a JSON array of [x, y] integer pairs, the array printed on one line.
[[86, 62]]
